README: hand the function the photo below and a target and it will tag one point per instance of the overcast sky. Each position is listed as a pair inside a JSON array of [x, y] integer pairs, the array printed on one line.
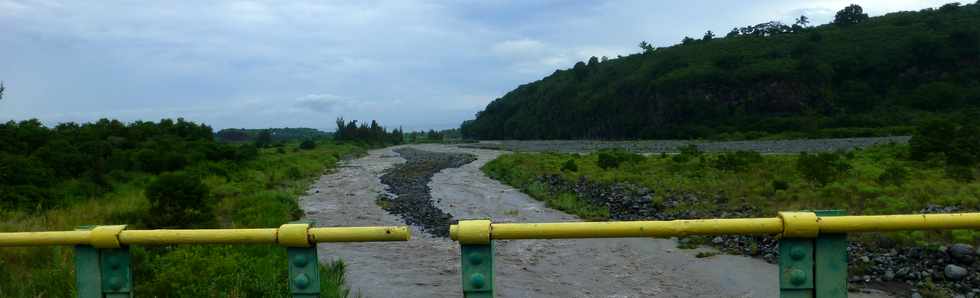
[[416, 64]]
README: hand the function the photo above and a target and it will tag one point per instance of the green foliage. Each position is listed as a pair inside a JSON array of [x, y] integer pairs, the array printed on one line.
[[374, 134], [736, 161], [780, 185], [179, 200], [307, 145], [822, 168], [278, 135], [850, 15], [894, 175], [861, 77], [687, 152], [569, 166], [960, 173], [613, 158], [259, 192], [264, 139]]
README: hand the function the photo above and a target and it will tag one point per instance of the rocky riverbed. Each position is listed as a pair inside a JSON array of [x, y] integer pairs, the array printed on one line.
[[883, 264], [408, 188], [668, 146]]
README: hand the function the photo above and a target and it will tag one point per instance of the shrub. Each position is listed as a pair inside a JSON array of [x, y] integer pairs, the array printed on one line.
[[687, 152], [307, 145], [178, 200], [569, 166], [780, 185], [736, 161], [612, 158], [894, 175], [959, 173], [821, 168]]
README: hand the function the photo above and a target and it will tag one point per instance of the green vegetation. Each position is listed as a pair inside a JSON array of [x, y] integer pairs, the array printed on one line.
[[373, 135], [274, 134], [210, 185], [858, 76], [884, 179]]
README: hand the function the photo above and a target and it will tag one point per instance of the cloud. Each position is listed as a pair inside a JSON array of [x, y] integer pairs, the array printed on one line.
[[322, 102], [302, 63]]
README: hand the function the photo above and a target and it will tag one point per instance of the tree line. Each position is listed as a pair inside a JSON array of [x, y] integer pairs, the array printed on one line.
[[373, 134], [43, 167], [857, 76]]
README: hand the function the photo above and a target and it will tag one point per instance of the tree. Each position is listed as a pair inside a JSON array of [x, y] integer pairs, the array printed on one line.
[[803, 21], [647, 47], [264, 139], [850, 15], [708, 35], [687, 40], [1, 89]]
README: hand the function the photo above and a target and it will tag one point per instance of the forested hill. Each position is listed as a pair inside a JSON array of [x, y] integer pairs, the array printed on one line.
[[277, 134], [857, 76]]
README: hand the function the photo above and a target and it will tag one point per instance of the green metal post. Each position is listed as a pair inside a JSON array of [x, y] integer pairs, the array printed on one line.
[[795, 267], [814, 267], [304, 270], [101, 273], [477, 270], [830, 269]]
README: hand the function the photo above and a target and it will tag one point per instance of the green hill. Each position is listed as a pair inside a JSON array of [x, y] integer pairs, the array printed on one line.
[[857, 76], [278, 134]]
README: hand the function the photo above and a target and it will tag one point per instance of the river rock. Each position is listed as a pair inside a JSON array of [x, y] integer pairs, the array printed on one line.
[[963, 253], [955, 272]]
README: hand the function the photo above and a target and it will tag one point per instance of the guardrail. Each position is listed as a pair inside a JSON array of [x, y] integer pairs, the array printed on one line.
[[812, 245], [102, 259]]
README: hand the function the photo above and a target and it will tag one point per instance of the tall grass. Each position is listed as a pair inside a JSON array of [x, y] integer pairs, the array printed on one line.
[[770, 185], [256, 193]]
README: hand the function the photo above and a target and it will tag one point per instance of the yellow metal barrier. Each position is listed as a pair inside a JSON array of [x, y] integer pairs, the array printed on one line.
[[205, 236], [791, 224]]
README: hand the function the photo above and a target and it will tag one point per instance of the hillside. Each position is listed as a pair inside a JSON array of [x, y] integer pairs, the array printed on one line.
[[278, 134], [857, 76]]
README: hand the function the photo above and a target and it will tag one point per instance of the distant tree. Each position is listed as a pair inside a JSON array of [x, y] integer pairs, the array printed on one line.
[[603, 59], [593, 61], [687, 40], [733, 33], [850, 15], [708, 35], [264, 139], [307, 145], [802, 21], [647, 47], [1, 89]]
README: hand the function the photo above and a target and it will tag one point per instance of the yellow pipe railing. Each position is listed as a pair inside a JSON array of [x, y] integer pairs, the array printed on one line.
[[206, 236], [796, 224]]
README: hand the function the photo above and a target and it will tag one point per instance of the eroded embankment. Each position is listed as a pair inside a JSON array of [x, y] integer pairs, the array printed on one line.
[[408, 184]]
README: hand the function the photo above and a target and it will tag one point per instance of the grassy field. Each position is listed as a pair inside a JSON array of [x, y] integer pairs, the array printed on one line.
[[257, 193], [877, 180]]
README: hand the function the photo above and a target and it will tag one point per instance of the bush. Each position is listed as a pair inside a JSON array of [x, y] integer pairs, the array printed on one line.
[[959, 145], [736, 161], [822, 168], [687, 152], [780, 185], [569, 166], [178, 200], [894, 175], [959, 173], [307, 145], [613, 158]]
